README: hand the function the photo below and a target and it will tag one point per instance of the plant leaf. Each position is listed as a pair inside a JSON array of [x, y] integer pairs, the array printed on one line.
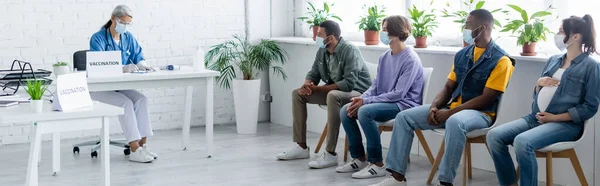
[[479, 5]]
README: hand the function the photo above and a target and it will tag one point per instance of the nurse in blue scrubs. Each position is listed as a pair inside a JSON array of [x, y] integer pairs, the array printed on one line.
[[113, 36]]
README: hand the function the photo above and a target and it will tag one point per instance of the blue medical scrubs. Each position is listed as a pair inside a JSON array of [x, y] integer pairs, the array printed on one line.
[[131, 51]]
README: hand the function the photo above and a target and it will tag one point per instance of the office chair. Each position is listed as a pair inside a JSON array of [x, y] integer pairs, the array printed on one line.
[[79, 63]]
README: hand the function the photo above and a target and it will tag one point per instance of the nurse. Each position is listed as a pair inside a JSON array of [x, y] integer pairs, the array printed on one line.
[[113, 36]]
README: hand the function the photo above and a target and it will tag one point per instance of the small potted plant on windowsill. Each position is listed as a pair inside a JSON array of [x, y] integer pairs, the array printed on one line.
[[61, 68], [318, 16], [371, 23], [423, 25], [36, 89], [460, 16], [250, 60], [530, 29]]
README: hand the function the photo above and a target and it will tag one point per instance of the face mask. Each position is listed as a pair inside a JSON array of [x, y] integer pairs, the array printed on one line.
[[468, 36], [385, 39], [121, 28], [321, 42], [559, 42]]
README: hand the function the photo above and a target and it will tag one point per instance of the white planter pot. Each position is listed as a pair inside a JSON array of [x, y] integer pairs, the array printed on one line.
[[60, 70], [37, 105], [246, 97]]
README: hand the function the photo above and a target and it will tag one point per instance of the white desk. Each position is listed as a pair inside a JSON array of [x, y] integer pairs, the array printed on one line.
[[48, 121], [186, 77]]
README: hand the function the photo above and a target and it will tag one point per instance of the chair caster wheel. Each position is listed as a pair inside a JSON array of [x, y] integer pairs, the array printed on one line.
[[126, 152], [94, 154], [75, 150]]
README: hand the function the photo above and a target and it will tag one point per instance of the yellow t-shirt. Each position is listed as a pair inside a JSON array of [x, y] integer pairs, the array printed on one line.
[[498, 79]]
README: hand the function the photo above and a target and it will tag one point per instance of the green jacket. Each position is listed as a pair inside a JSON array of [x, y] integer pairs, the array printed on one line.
[[352, 73]]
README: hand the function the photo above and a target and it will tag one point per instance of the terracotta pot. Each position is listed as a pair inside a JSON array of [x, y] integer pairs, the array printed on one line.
[[529, 49], [371, 37], [421, 42], [315, 30]]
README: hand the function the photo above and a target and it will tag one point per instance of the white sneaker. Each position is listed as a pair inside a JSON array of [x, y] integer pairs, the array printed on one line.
[[323, 160], [140, 156], [295, 152], [353, 166], [371, 171], [147, 151], [390, 181]]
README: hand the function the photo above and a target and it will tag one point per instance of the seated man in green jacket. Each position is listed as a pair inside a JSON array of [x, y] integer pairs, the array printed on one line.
[[340, 65]]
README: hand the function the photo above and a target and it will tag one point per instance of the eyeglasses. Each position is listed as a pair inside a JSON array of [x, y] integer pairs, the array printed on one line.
[[122, 22]]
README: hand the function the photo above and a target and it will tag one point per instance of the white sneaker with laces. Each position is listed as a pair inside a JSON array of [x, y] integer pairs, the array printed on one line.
[[390, 181], [323, 160], [140, 156], [353, 166], [147, 151], [295, 152], [371, 171]]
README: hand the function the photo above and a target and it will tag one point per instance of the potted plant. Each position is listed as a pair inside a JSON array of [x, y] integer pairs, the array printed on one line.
[[371, 23], [460, 16], [250, 60], [422, 26], [61, 68], [317, 16], [530, 29], [36, 89]]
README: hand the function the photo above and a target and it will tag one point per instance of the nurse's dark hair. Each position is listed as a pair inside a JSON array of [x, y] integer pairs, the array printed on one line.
[[584, 26], [119, 11], [398, 26]]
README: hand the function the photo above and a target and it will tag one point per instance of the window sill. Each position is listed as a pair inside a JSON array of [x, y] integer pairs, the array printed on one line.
[[429, 50]]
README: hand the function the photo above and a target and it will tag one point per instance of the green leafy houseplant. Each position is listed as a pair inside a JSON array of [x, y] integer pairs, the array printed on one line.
[[317, 16], [371, 23], [35, 89], [530, 29], [460, 16], [424, 22], [250, 59], [60, 64]]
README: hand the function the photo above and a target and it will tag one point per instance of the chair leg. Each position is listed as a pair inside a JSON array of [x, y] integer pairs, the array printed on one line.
[[425, 146], [549, 181], [577, 167], [322, 139], [346, 149], [469, 161], [436, 164], [465, 165]]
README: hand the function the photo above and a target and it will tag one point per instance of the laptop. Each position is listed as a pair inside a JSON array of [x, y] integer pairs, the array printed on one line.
[[8, 103]]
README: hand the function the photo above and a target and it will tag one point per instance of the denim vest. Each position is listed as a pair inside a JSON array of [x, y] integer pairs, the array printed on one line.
[[472, 77], [578, 92]]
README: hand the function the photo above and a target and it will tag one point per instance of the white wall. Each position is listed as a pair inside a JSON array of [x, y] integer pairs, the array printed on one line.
[[517, 103], [46, 31]]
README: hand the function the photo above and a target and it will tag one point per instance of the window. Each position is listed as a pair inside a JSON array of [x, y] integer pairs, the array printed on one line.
[[350, 12]]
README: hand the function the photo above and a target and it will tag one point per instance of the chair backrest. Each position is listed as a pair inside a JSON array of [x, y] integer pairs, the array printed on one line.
[[79, 60], [372, 67], [427, 71]]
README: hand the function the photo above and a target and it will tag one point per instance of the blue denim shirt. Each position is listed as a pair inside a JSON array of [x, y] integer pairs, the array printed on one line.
[[473, 75], [578, 92]]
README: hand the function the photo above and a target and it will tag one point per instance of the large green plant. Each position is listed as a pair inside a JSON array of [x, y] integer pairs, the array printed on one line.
[[250, 59], [460, 16], [317, 16], [423, 22], [529, 28], [372, 20], [36, 89]]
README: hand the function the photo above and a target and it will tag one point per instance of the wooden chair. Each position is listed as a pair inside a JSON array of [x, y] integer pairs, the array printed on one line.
[[561, 150]]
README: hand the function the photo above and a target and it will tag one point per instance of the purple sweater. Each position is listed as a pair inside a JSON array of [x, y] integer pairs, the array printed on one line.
[[399, 80]]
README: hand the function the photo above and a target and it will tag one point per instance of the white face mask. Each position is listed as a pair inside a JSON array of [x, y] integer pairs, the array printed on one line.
[[559, 42]]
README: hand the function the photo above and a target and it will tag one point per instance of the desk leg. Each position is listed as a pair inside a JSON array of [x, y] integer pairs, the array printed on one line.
[[187, 117], [104, 149], [34, 153], [56, 153], [209, 116]]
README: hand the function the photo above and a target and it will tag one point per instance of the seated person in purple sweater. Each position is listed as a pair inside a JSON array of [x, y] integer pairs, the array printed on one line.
[[398, 86]]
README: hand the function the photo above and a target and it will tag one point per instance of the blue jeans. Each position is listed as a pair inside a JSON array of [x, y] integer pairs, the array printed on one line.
[[368, 115], [456, 126], [526, 138]]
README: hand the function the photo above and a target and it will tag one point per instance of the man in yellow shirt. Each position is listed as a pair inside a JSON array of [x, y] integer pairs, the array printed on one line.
[[474, 87]]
